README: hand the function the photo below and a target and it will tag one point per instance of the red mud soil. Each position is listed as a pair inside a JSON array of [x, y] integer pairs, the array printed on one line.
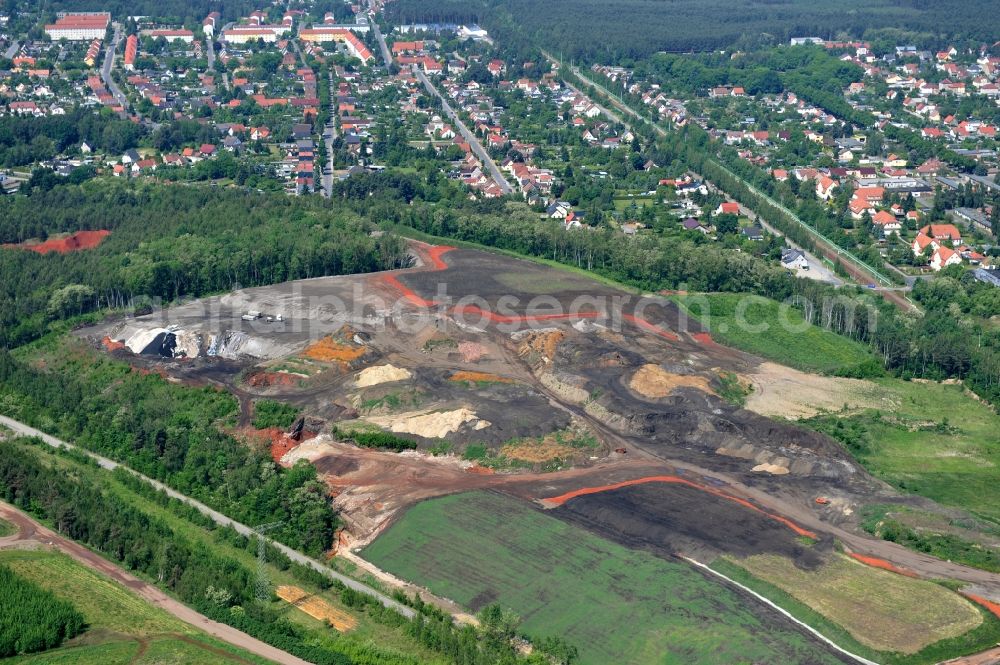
[[78, 241], [988, 604], [112, 345], [704, 339], [272, 379], [563, 498], [278, 440], [875, 562]]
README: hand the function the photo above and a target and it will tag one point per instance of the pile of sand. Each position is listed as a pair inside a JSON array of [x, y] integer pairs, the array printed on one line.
[[317, 608], [655, 382], [536, 452], [310, 450], [773, 469], [434, 425], [372, 376]]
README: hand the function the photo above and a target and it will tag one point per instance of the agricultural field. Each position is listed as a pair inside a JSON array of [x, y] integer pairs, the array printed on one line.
[[121, 627], [882, 610], [766, 328], [879, 615], [613, 604]]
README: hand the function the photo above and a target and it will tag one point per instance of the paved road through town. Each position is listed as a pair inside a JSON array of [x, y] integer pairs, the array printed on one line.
[[215, 516], [471, 138], [109, 62]]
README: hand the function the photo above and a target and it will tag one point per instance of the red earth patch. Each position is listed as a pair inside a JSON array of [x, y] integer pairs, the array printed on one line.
[[76, 242]]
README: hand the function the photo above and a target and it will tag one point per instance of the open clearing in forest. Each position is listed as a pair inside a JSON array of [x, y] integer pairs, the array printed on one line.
[[316, 607], [615, 605], [882, 610]]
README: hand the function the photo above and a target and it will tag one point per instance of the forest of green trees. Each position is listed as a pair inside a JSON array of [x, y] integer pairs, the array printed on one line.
[[31, 618], [608, 31], [167, 242]]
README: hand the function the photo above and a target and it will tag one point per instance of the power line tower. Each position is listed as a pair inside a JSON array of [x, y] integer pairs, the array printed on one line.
[[262, 586]]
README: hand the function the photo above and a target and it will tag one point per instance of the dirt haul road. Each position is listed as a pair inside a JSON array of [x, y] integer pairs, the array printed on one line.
[[33, 532]]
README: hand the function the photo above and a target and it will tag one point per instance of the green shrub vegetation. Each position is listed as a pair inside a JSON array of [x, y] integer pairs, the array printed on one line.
[[31, 618], [376, 439], [269, 413]]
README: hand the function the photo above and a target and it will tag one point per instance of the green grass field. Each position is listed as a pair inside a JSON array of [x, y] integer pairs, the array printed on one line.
[[6, 529], [616, 605], [773, 331], [831, 600], [121, 627], [936, 441]]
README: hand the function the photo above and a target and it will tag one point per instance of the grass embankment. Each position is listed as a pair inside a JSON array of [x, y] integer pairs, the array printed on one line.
[[936, 441], [616, 605], [877, 607], [7, 529], [370, 641], [775, 331], [120, 626]]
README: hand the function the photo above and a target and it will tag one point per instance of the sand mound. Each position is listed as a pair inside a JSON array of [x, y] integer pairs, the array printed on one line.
[[310, 451], [773, 469], [655, 382], [786, 392], [317, 608], [372, 376], [433, 425]]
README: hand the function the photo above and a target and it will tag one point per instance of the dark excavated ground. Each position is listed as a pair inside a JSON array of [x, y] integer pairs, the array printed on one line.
[[668, 519]]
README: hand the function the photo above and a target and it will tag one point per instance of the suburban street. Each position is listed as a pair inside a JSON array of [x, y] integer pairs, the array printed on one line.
[[473, 142], [12, 50], [215, 516], [386, 56], [329, 134], [109, 62], [31, 534]]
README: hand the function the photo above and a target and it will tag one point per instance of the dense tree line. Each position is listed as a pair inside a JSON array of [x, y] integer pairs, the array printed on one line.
[[32, 618], [167, 242], [26, 140], [223, 589], [171, 433], [609, 31]]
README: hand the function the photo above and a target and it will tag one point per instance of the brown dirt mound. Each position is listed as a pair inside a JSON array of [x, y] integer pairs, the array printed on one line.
[[272, 379], [655, 382], [479, 377], [317, 608], [431, 425], [542, 344], [327, 350], [537, 452]]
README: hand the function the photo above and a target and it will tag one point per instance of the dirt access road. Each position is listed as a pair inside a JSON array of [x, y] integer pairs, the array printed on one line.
[[31, 532]]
